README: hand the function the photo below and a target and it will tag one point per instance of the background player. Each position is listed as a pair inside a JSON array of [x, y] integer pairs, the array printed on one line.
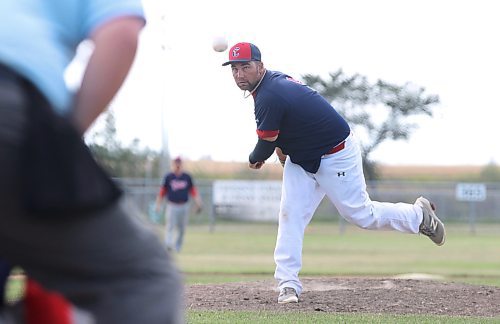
[[320, 156], [177, 186]]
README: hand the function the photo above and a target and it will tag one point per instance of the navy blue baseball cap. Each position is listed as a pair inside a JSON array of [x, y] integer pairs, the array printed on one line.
[[243, 52]]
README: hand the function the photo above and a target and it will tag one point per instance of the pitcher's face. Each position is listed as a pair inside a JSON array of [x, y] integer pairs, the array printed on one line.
[[247, 74]]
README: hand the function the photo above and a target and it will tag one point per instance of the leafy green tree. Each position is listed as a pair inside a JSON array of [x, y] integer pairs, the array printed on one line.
[[490, 172], [377, 111], [130, 161]]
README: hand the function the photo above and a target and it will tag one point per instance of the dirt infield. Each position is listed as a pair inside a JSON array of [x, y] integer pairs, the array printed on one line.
[[352, 295]]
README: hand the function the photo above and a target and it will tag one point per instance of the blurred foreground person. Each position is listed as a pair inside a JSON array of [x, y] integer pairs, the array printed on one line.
[[61, 217]]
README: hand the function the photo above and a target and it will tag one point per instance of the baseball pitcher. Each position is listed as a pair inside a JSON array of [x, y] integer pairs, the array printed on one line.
[[321, 157]]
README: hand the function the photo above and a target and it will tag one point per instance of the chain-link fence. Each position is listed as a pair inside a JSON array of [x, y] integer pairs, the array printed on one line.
[[142, 193]]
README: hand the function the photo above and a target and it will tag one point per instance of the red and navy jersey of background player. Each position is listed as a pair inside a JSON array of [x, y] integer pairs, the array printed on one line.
[[306, 124], [177, 188]]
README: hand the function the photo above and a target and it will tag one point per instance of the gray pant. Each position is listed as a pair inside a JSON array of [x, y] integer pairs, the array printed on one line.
[[177, 220], [107, 262]]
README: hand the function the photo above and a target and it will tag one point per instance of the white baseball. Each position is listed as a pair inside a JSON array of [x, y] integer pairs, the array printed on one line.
[[219, 44]]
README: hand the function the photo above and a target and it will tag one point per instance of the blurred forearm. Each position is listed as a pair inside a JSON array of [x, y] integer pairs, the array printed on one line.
[[115, 46]]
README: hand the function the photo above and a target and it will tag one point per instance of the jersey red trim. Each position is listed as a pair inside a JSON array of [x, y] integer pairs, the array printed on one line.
[[163, 192], [265, 134], [193, 191]]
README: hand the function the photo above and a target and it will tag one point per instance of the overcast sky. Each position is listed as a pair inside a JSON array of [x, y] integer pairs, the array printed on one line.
[[451, 48]]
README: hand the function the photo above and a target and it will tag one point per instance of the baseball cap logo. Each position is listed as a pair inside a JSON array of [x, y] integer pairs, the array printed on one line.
[[243, 52], [236, 52]]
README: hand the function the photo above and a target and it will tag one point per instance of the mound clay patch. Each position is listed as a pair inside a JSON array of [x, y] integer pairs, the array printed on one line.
[[352, 295]]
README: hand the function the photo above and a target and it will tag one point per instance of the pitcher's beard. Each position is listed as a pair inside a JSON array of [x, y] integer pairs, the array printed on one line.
[[246, 86]]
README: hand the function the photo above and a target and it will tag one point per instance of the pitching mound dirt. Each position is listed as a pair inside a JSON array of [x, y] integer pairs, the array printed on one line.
[[353, 295]]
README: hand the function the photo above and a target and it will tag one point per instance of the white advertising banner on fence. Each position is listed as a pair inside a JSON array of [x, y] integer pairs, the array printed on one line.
[[470, 191], [256, 200]]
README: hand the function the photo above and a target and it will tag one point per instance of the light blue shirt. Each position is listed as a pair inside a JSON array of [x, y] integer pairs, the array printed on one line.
[[38, 38]]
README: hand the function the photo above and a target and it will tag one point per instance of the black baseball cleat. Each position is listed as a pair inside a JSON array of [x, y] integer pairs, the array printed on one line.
[[431, 226]]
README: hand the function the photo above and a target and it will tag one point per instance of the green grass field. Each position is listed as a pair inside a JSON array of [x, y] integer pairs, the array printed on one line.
[[245, 252], [211, 317]]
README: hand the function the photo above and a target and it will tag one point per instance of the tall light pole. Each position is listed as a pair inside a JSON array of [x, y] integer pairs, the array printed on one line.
[[165, 155]]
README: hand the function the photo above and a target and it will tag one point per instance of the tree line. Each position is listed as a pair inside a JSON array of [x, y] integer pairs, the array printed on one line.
[[123, 161]]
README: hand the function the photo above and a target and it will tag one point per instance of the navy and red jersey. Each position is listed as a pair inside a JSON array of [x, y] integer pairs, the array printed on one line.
[[306, 124], [178, 187]]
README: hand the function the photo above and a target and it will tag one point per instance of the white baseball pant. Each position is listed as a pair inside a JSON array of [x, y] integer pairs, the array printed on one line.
[[340, 177]]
